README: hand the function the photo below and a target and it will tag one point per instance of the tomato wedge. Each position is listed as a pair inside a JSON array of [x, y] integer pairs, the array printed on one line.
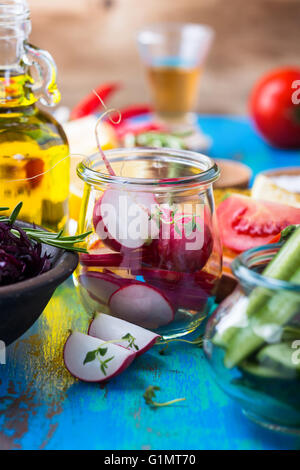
[[246, 223]]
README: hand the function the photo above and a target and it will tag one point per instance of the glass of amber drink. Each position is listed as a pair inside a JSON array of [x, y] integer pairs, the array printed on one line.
[[173, 54]]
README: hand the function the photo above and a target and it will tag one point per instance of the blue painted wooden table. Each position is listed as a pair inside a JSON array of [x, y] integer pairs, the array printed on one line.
[[43, 407]]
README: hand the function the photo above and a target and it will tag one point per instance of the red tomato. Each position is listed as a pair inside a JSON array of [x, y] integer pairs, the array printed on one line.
[[275, 107], [246, 223]]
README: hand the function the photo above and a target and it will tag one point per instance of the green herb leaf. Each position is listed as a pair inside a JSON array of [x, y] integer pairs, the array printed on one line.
[[90, 357], [102, 351], [15, 213], [104, 366], [188, 228], [150, 394], [177, 229], [287, 232], [131, 341]]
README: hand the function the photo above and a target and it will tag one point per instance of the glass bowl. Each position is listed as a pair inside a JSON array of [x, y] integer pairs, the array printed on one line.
[[154, 254], [252, 343]]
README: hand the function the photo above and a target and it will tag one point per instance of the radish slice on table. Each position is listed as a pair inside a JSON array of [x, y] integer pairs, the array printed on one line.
[[111, 361], [142, 305], [99, 285], [121, 219], [107, 328]]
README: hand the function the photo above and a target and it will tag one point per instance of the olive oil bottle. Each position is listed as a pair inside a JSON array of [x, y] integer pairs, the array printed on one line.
[[34, 162]]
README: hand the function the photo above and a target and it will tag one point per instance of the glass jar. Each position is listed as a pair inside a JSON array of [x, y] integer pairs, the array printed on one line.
[[252, 343], [154, 254], [34, 162]]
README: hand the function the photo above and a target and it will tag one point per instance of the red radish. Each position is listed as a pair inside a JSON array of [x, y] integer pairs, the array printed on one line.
[[162, 276], [99, 285], [182, 294], [190, 299], [185, 290], [121, 219], [187, 246], [175, 279], [103, 259], [78, 345], [129, 259], [112, 273], [142, 305], [108, 328]]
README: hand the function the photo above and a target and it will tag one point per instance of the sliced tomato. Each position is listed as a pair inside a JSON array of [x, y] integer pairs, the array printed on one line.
[[246, 223]]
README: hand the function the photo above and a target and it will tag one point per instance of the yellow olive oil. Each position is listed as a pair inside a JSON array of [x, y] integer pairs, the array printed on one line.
[[34, 162]]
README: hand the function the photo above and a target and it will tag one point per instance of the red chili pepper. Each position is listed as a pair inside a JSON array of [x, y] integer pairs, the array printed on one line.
[[131, 111], [90, 103], [275, 239], [139, 128], [284, 234]]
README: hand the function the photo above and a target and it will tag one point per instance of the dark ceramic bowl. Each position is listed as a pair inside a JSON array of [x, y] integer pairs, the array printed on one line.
[[22, 303]]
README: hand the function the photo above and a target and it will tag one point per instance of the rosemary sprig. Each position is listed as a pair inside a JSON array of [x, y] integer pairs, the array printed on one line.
[[58, 240], [150, 394]]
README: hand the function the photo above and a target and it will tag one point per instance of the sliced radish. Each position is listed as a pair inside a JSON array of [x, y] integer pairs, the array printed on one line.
[[108, 328], [180, 295], [185, 245], [121, 219], [78, 345], [130, 259], [184, 290], [163, 275], [101, 259], [189, 299], [142, 305], [99, 285]]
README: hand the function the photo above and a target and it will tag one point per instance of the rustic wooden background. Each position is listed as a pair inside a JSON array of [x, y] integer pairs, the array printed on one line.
[[94, 41]]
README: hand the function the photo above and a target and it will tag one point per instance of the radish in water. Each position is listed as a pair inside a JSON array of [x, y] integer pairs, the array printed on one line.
[[122, 219], [166, 277], [177, 279], [141, 304], [99, 285], [187, 244], [182, 290], [108, 328], [93, 360], [129, 259]]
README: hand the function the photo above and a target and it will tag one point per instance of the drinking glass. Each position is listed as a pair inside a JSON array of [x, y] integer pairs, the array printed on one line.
[[174, 54]]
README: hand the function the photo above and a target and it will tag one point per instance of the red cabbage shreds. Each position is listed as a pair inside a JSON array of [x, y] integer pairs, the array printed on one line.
[[20, 258]]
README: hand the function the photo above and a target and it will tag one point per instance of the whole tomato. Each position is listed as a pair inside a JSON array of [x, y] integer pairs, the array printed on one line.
[[275, 107]]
